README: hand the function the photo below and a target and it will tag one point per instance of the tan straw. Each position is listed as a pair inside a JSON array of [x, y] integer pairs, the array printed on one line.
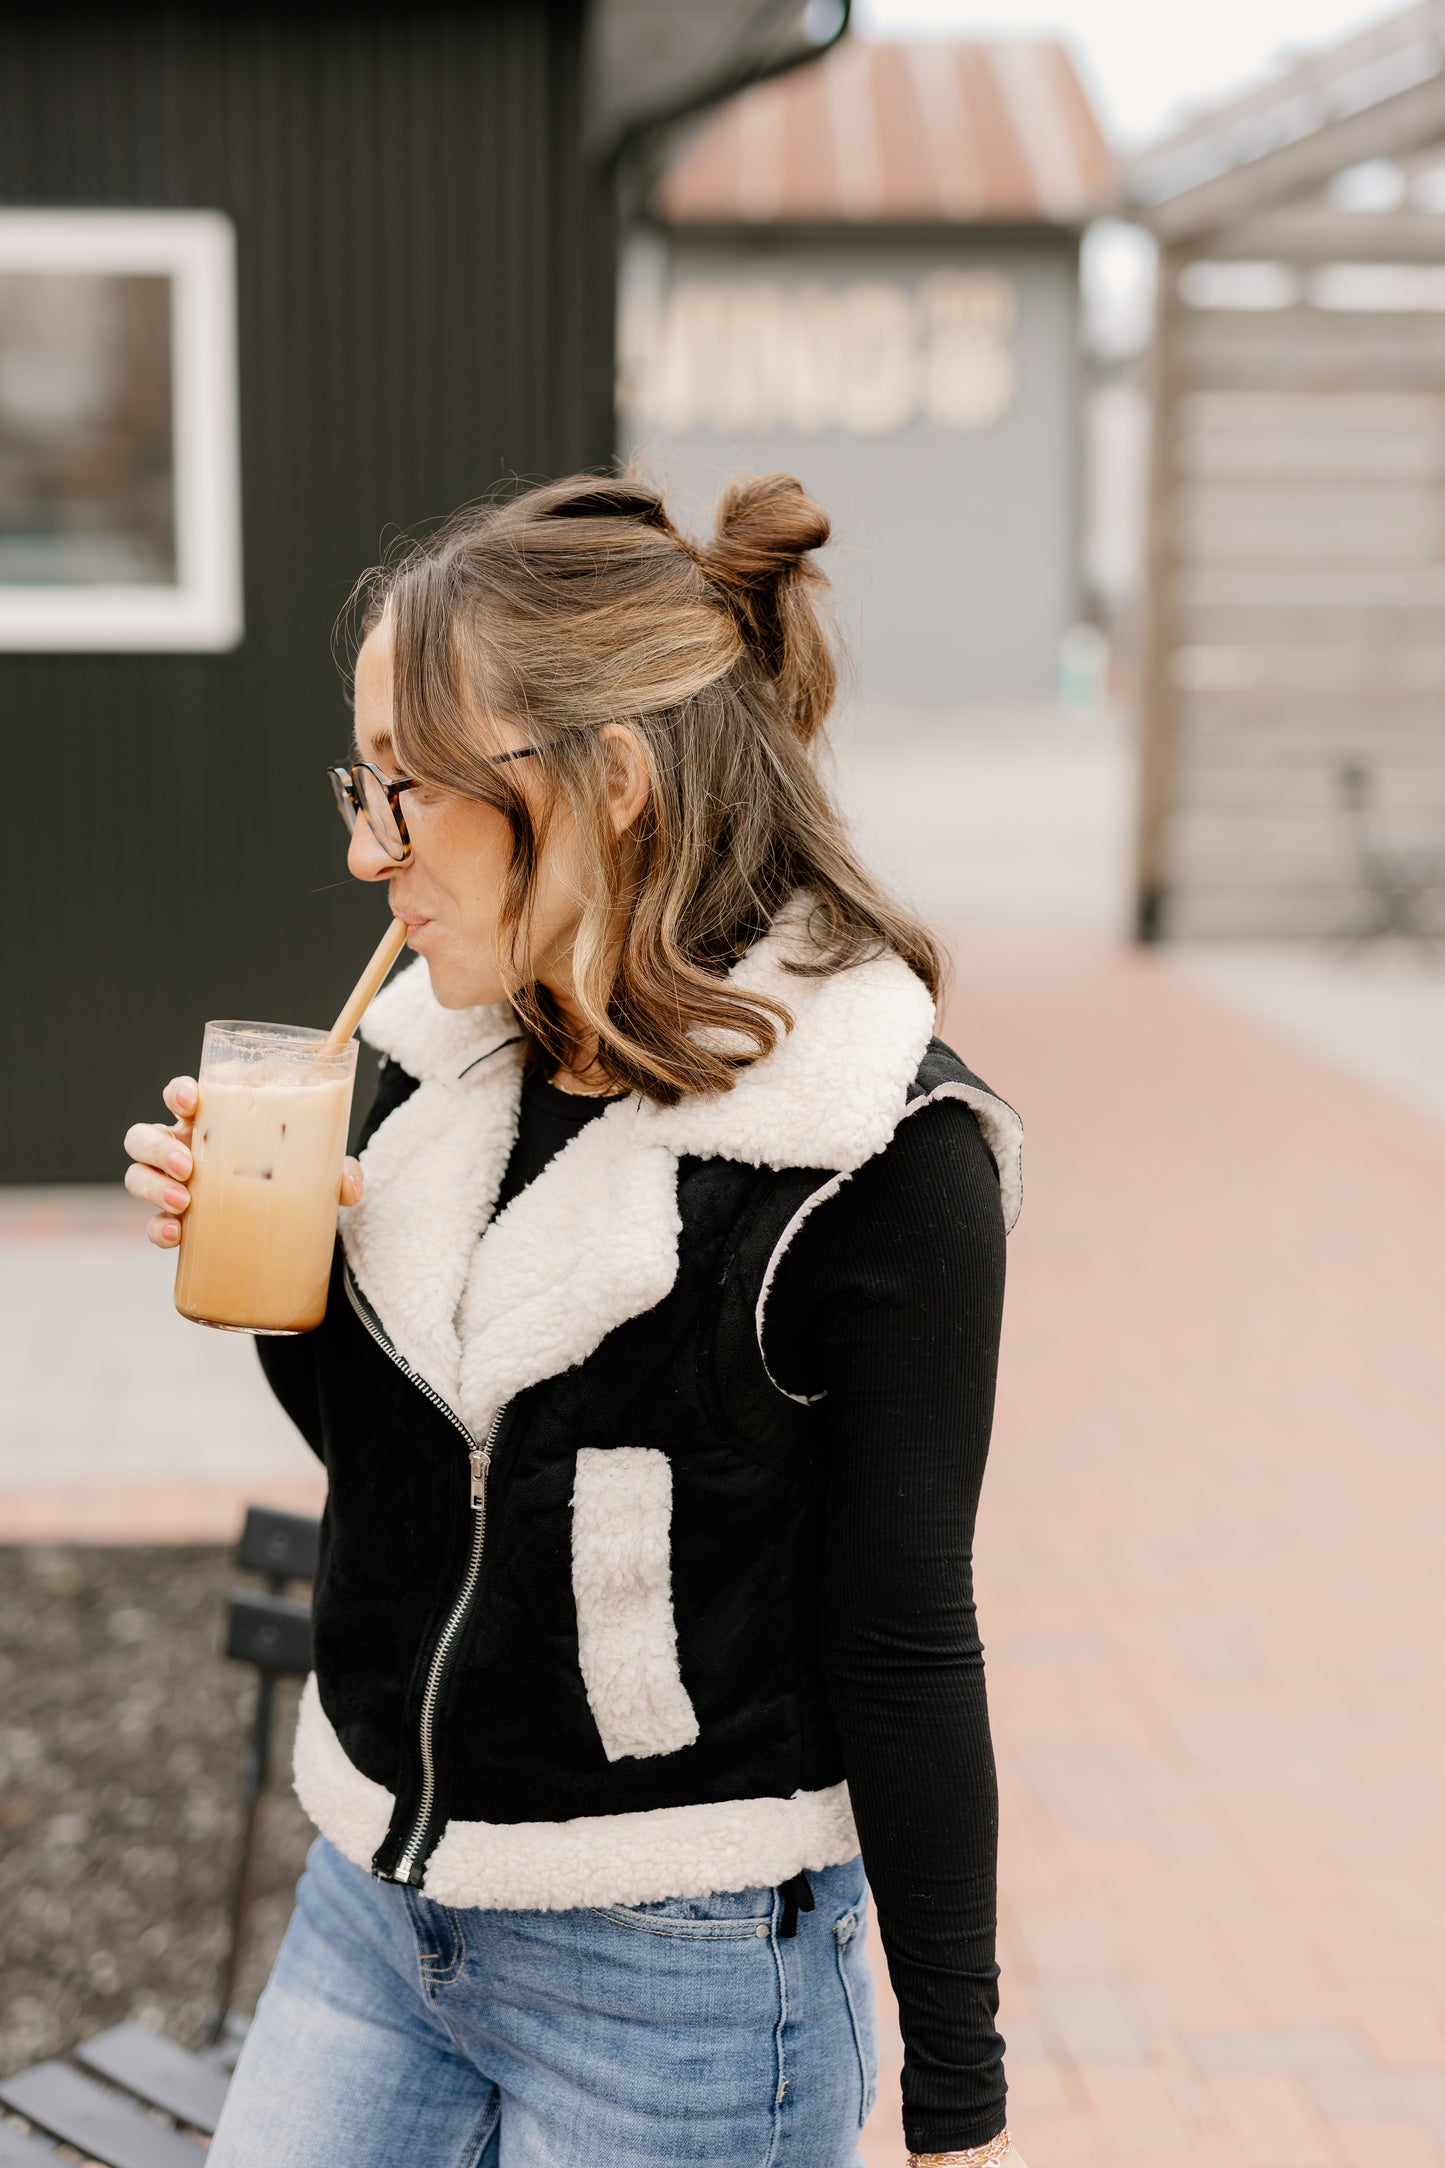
[[360, 998]]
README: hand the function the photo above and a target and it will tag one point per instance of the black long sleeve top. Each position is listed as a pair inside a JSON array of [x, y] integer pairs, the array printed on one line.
[[889, 1301]]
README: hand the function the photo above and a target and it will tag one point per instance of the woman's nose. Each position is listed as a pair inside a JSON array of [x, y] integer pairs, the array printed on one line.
[[365, 858]]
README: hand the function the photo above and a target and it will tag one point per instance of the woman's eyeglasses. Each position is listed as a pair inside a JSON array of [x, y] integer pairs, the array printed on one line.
[[359, 789]]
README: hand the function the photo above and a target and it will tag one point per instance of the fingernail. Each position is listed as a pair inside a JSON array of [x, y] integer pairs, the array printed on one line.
[[179, 1163], [177, 1199], [170, 1232]]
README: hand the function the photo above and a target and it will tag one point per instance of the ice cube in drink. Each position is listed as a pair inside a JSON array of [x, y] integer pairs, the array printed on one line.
[[268, 1143]]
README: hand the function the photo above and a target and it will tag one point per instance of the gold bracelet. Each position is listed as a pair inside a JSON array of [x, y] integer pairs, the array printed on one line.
[[972, 2156]]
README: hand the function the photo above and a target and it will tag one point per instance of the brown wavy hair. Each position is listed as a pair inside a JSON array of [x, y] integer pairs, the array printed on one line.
[[578, 603]]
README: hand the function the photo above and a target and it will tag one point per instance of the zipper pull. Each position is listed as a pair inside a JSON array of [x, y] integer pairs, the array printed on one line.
[[481, 1460]]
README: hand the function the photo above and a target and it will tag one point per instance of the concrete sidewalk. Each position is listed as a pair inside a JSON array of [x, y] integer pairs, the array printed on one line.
[[125, 1423], [1373, 1008], [1210, 1584], [995, 816]]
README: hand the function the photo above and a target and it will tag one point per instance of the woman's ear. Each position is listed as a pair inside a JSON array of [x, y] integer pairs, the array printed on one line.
[[628, 780]]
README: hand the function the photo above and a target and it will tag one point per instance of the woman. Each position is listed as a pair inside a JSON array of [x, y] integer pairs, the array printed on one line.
[[653, 1391]]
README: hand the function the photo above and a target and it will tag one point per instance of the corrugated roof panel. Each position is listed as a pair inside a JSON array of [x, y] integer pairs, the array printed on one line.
[[711, 162], [958, 163], [905, 138], [1029, 94], [973, 129], [1097, 173], [809, 150], [858, 171], [1009, 190], [760, 145]]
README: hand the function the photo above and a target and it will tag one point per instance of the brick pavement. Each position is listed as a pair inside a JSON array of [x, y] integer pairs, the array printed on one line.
[[1210, 1585], [1209, 1568]]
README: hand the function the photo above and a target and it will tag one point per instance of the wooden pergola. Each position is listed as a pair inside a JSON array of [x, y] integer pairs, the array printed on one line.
[[1293, 634]]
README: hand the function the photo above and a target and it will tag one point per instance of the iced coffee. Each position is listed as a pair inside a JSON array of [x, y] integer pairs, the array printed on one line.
[[268, 1143]]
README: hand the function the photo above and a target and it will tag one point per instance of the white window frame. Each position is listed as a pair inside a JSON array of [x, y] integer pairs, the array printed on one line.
[[202, 608]]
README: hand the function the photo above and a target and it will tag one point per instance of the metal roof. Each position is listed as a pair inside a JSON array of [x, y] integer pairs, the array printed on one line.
[[646, 55], [996, 131]]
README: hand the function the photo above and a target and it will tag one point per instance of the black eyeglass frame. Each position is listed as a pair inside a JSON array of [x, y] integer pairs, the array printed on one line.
[[346, 790]]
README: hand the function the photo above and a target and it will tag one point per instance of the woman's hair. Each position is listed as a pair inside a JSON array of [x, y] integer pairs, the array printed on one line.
[[579, 603]]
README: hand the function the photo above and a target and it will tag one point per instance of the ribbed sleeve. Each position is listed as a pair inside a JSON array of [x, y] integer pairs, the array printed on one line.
[[889, 1301]]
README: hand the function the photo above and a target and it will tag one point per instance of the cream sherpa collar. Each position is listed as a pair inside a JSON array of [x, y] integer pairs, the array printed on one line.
[[593, 1241], [829, 1095]]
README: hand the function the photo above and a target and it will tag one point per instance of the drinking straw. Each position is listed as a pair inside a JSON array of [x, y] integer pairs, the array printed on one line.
[[359, 1000]]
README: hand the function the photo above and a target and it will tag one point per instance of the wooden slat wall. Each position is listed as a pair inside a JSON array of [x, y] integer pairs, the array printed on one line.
[[425, 271], [1302, 581]]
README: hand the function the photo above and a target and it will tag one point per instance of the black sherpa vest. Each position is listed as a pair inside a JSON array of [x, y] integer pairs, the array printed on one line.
[[565, 1618]]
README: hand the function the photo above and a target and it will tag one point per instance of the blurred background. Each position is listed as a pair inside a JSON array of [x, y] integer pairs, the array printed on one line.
[[1113, 340]]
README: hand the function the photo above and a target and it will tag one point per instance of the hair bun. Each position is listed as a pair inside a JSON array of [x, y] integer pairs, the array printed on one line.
[[766, 527]]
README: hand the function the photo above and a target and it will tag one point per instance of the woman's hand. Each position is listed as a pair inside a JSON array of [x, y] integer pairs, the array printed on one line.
[[162, 1167], [162, 1162]]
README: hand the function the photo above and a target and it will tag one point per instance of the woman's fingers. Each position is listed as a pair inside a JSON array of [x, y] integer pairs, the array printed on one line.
[[182, 1097], [164, 1231], [161, 1163], [353, 1182], [150, 1144], [153, 1187]]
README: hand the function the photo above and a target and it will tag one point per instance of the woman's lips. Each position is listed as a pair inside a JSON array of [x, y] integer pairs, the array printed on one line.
[[413, 922]]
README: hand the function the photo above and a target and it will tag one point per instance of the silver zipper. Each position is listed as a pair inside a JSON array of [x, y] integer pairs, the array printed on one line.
[[368, 1318], [480, 1459]]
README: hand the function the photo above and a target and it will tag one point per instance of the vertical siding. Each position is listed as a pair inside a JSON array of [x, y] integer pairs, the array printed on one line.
[[424, 273]]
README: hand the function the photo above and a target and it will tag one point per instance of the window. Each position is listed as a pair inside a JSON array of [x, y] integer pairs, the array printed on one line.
[[119, 457]]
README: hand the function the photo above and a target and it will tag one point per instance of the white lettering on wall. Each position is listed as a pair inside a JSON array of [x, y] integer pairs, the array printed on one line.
[[866, 359]]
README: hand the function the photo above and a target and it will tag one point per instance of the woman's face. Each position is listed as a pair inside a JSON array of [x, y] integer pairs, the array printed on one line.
[[449, 891]]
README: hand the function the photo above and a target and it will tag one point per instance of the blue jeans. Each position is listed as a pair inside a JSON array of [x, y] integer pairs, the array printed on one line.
[[401, 2033]]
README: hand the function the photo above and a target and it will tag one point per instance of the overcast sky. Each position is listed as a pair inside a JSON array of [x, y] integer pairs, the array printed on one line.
[[1144, 59]]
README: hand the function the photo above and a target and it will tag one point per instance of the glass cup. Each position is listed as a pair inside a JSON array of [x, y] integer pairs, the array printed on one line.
[[268, 1142]]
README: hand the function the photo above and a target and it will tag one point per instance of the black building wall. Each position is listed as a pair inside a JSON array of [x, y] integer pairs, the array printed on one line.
[[424, 295]]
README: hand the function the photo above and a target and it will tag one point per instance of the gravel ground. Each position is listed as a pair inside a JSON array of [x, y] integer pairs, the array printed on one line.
[[122, 1735]]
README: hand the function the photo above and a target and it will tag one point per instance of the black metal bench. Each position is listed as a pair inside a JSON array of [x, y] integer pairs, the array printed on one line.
[[155, 2102]]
